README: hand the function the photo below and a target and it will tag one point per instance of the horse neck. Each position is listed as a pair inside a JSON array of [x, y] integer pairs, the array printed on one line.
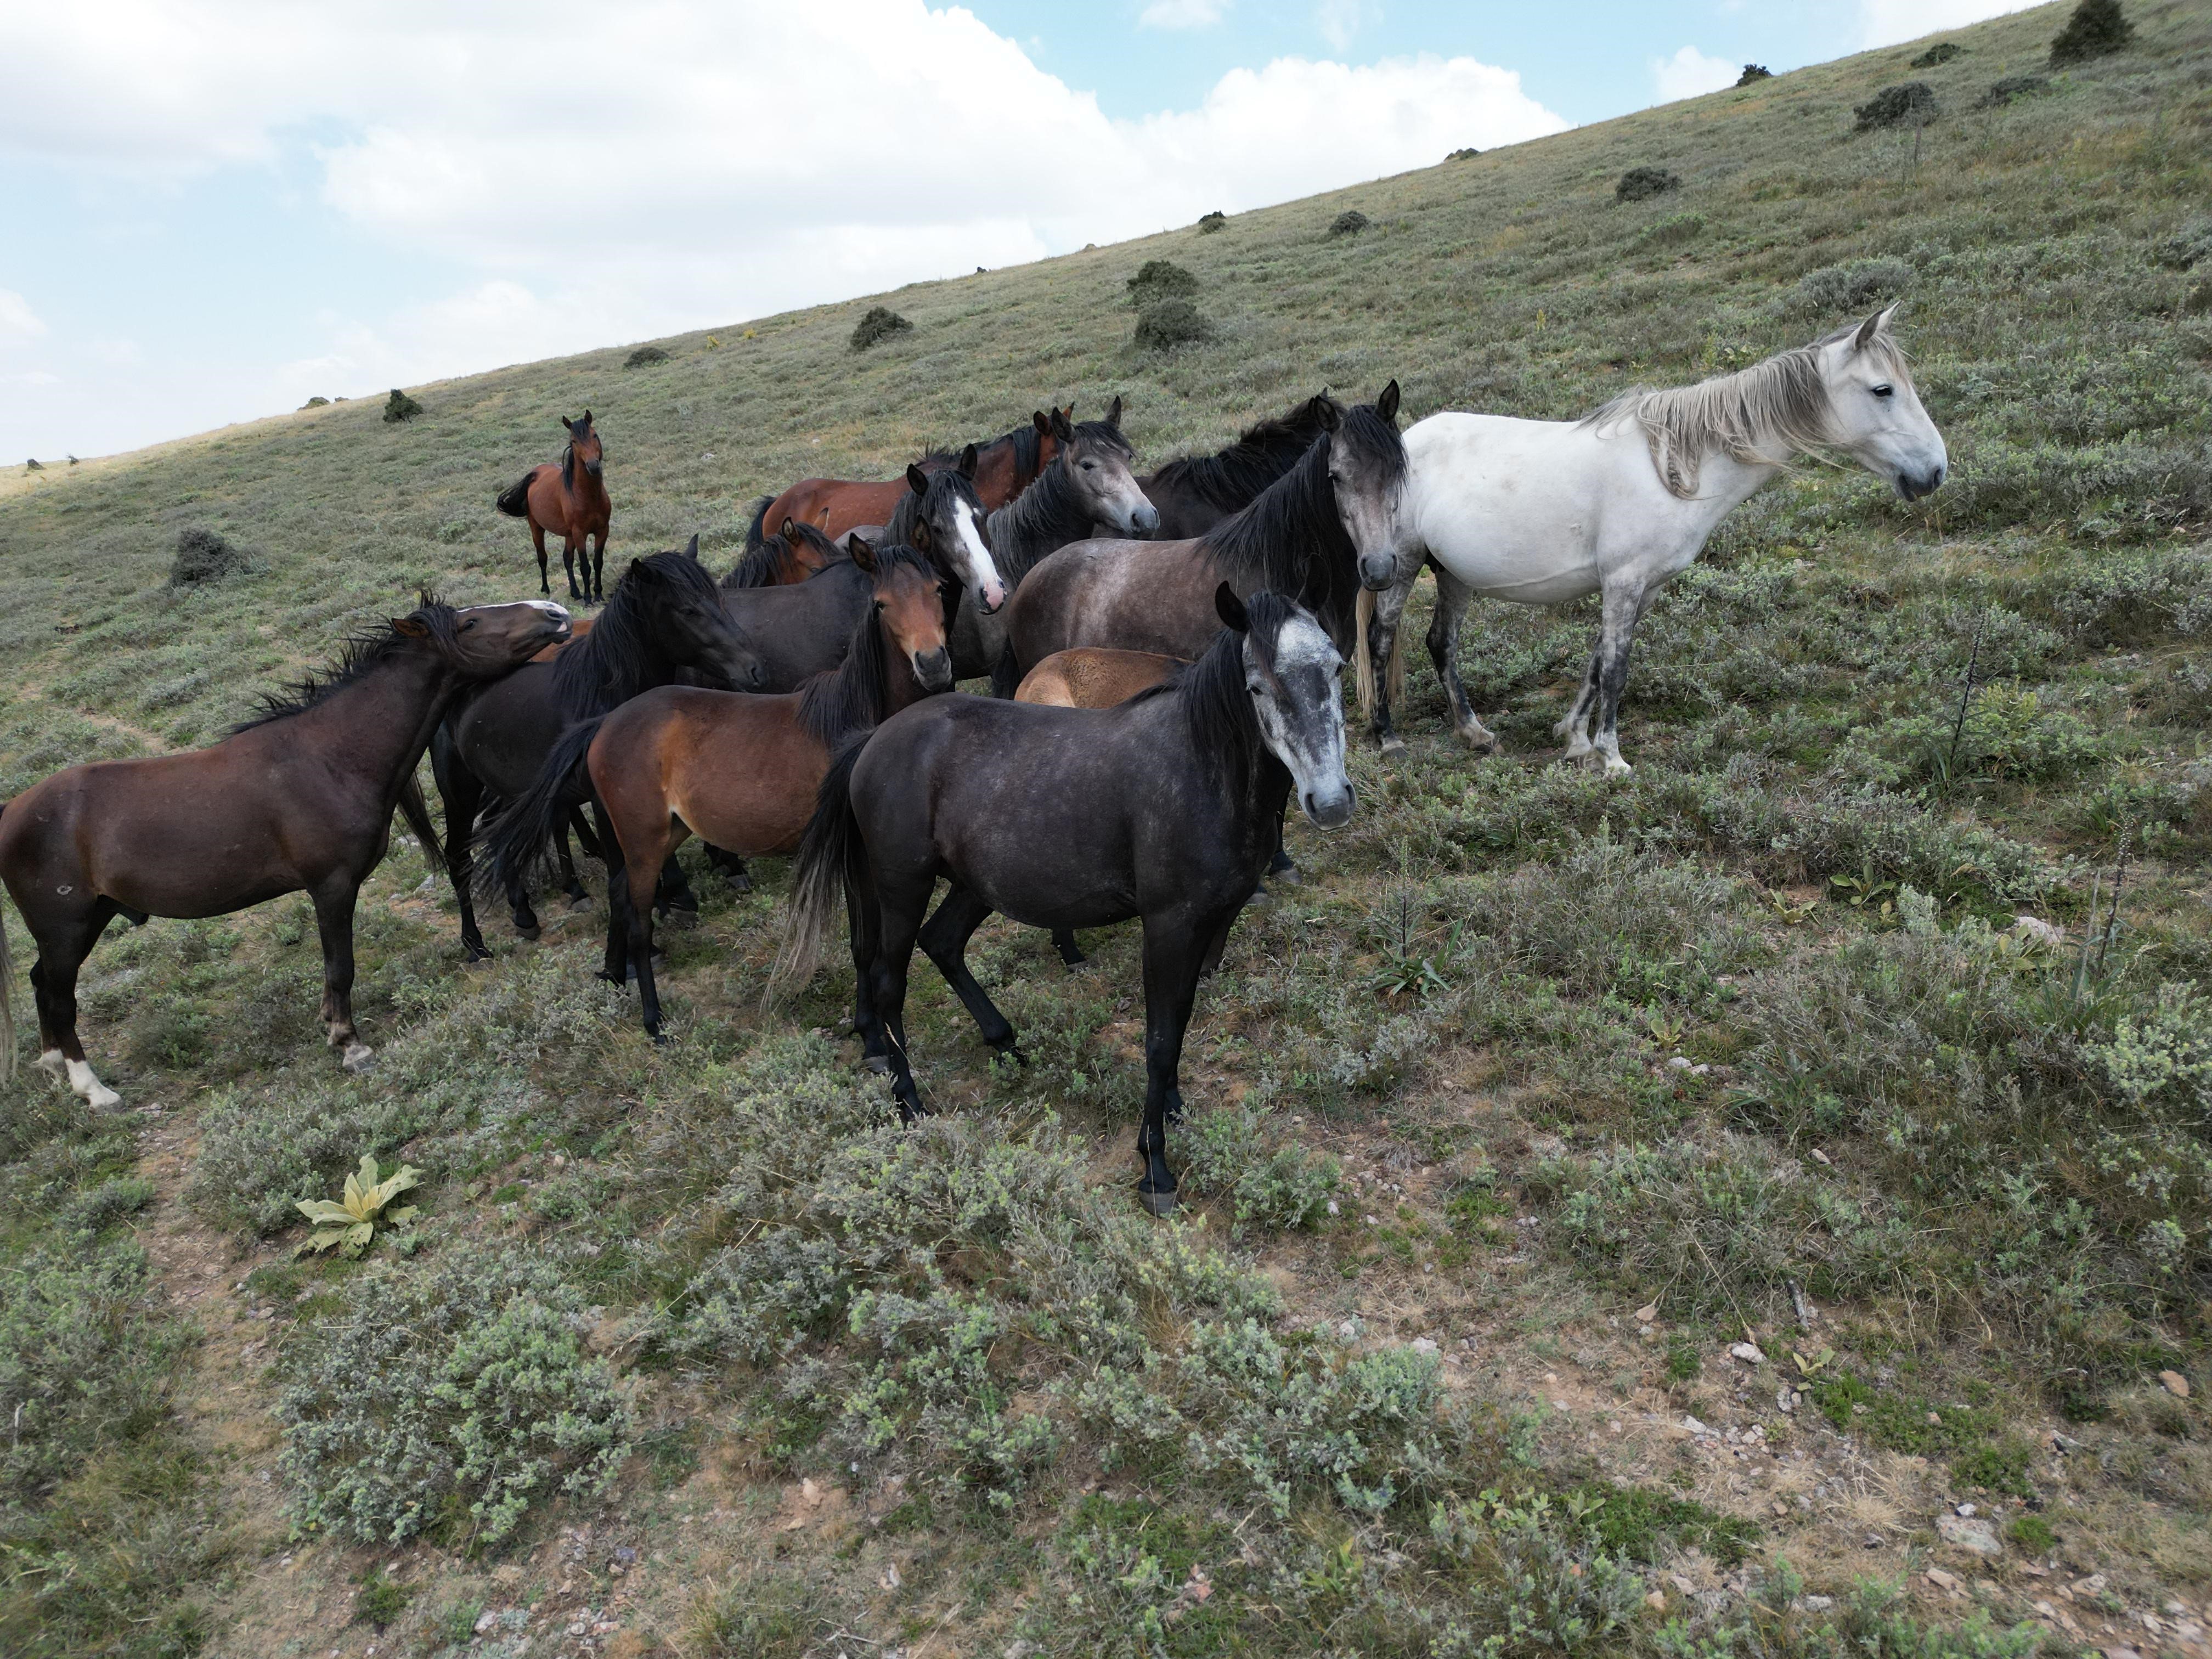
[[379, 724], [998, 470], [598, 678], [1041, 519], [1326, 564], [1724, 483]]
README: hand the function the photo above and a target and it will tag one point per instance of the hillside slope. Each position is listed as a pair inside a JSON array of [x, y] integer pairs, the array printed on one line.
[[1541, 1093]]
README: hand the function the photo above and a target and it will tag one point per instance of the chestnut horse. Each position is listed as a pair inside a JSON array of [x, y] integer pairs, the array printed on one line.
[[739, 771], [784, 560], [1094, 676], [299, 799], [571, 499], [1002, 469]]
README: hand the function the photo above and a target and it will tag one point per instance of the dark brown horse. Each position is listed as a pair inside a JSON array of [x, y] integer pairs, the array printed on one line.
[[790, 556], [1194, 493], [1164, 808], [1003, 468], [741, 771], [1302, 538], [569, 499], [298, 800]]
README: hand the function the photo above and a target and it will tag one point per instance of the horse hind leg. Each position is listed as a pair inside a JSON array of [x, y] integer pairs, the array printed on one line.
[[334, 922], [62, 952], [1574, 725], [944, 940], [898, 920], [1382, 655], [537, 540], [568, 552], [1071, 953], [1610, 671]]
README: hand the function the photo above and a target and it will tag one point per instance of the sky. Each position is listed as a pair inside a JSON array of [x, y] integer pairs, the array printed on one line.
[[220, 208]]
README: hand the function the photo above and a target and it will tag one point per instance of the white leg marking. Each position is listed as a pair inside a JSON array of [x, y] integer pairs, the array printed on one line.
[[97, 1094], [51, 1063], [358, 1056]]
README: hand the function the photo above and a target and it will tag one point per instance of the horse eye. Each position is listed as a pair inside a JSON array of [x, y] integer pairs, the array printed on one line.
[[1090, 466], [1883, 391]]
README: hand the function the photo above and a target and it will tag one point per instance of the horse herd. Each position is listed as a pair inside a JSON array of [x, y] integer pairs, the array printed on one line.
[[1164, 651]]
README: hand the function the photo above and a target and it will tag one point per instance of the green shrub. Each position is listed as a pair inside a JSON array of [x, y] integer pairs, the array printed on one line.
[[1912, 103], [448, 1398], [1941, 52], [259, 1158], [645, 354], [1635, 1522], [1466, 154], [2011, 86], [1855, 286], [316, 402], [1350, 223], [1210, 223], [400, 407], [1160, 279], [1226, 1152], [1169, 324], [1642, 183], [1673, 231], [2097, 28], [1752, 74], [203, 556], [880, 324]]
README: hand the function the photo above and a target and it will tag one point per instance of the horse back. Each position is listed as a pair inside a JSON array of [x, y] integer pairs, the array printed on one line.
[[738, 768], [800, 629], [1094, 677], [1155, 597]]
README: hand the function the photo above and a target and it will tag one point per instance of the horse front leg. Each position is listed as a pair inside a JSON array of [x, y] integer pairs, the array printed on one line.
[[1452, 597], [64, 944], [944, 939], [569, 549], [898, 923], [1382, 647], [599, 567], [864, 929], [334, 905], [462, 795], [1176, 950], [1617, 631], [537, 540]]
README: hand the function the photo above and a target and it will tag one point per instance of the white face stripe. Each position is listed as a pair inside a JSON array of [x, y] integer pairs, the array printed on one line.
[[983, 569], [558, 612]]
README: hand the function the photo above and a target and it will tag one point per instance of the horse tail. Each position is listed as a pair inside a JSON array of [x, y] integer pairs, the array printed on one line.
[[514, 500], [416, 811], [7, 1001], [833, 861], [756, 532], [521, 837], [1362, 665]]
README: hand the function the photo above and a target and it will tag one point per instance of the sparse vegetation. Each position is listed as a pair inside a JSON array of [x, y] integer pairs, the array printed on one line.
[[1603, 1077]]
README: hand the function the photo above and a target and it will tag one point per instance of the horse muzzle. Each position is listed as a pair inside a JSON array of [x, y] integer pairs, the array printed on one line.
[[594, 467], [933, 669], [1143, 520], [989, 597], [1330, 808], [1912, 486], [1379, 575]]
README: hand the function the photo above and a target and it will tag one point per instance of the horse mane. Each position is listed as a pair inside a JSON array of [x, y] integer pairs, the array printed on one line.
[[1047, 516], [1216, 708], [617, 658], [1261, 454], [764, 566], [568, 467], [851, 697], [1023, 438], [361, 651], [1760, 415], [1290, 539]]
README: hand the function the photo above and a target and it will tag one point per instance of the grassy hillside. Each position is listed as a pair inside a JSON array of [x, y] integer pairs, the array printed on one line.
[[1541, 1093]]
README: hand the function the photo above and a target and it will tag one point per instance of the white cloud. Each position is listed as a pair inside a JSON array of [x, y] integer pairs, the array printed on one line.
[[18, 322], [1886, 23], [1689, 73], [1182, 14], [1339, 21], [689, 189]]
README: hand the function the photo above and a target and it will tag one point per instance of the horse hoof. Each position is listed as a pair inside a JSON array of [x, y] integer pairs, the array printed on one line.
[[358, 1057], [680, 917], [879, 1064], [1394, 745], [1158, 1204], [581, 902], [1481, 741], [1011, 1053], [1287, 875], [532, 932]]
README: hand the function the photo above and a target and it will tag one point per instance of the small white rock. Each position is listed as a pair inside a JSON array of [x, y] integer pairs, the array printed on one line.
[[1748, 1353]]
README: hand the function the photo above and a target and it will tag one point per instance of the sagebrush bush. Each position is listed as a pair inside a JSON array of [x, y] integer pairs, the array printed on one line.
[[1350, 223], [1673, 231], [1171, 322], [203, 556], [2097, 28], [446, 1397], [644, 354], [400, 407], [1911, 103], [1282, 1185], [1160, 279], [2004, 91], [1642, 183], [879, 324], [1856, 285]]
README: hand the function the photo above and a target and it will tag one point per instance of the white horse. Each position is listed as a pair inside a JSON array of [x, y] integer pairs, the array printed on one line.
[[1619, 503]]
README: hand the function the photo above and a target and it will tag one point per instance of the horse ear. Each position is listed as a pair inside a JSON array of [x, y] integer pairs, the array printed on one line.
[[639, 571], [1112, 410], [413, 627], [1332, 414], [568, 426], [1387, 405], [916, 479], [787, 530], [862, 551], [1231, 609], [586, 421], [968, 462], [1873, 325], [1062, 428], [692, 551], [1043, 423]]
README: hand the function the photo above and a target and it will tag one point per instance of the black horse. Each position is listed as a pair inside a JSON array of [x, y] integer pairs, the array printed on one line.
[[1194, 493], [664, 617], [1165, 807]]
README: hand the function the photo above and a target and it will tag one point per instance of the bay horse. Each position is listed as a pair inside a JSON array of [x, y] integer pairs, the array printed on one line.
[[570, 499], [664, 617], [1164, 808], [1087, 483], [784, 559], [1194, 493], [1003, 468], [1302, 536], [297, 799], [1621, 502], [739, 771]]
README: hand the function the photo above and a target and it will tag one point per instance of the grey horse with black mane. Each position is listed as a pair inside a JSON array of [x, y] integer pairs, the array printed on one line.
[[1165, 807]]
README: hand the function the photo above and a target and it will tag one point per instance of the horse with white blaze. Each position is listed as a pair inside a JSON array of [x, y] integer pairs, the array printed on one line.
[[1619, 503]]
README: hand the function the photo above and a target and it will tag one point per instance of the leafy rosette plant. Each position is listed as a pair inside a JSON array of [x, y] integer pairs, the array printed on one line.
[[352, 1222]]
